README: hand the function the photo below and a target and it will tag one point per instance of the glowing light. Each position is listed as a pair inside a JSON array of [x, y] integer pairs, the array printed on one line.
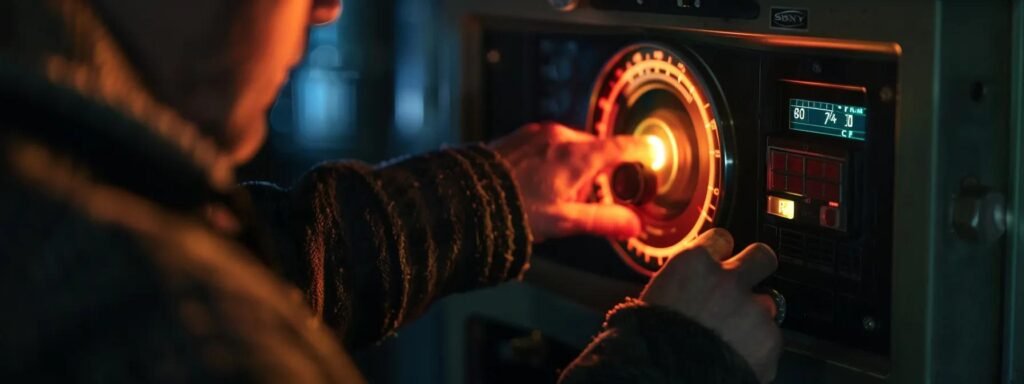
[[780, 207], [659, 155], [636, 66], [664, 150]]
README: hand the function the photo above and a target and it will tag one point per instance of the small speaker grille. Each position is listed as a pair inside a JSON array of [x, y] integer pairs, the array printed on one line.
[[811, 251]]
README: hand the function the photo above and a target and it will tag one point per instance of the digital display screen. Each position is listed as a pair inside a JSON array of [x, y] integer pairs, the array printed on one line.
[[838, 120]]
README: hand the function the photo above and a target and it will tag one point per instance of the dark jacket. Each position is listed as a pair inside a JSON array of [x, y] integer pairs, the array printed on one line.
[[111, 269]]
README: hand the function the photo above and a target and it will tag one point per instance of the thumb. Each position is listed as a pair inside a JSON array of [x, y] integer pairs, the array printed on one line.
[[567, 219], [606, 153]]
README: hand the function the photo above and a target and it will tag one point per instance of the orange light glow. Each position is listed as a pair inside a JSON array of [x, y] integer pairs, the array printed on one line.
[[851, 88], [807, 42], [664, 150], [659, 155]]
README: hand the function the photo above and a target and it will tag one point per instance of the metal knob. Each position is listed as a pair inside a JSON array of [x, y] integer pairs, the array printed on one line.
[[777, 299], [780, 305], [979, 213], [632, 183]]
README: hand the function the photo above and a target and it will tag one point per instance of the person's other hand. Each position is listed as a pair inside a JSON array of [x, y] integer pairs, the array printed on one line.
[[711, 286], [555, 167]]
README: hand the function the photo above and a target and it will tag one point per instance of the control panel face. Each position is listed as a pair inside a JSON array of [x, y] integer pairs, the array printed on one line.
[[806, 188], [790, 147], [809, 184]]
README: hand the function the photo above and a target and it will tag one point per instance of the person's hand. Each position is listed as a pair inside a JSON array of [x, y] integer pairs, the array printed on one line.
[[555, 167], [711, 286]]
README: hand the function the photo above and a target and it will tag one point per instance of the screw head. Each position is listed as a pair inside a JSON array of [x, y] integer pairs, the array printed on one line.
[[817, 68], [493, 56], [869, 323], [886, 94]]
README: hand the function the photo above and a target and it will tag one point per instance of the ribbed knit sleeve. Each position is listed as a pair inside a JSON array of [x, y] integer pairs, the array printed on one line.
[[372, 247], [649, 344]]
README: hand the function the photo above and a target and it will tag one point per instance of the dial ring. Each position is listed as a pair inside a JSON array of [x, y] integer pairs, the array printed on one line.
[[677, 94]]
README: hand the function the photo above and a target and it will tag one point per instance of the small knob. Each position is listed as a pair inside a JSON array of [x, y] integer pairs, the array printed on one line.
[[777, 299], [979, 214], [780, 306], [632, 183]]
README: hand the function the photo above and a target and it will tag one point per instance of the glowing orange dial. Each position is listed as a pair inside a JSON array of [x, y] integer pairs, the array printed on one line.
[[648, 90]]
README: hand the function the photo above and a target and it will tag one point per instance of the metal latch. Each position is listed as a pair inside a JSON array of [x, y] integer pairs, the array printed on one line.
[[979, 213]]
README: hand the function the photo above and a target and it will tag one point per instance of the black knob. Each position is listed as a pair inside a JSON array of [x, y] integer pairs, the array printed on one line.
[[777, 299], [632, 183]]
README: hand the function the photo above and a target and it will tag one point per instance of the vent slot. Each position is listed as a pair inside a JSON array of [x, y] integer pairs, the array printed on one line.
[[811, 251], [820, 250], [791, 246], [848, 264]]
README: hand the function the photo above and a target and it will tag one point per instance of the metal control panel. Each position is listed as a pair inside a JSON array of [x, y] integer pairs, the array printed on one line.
[[792, 147], [858, 139]]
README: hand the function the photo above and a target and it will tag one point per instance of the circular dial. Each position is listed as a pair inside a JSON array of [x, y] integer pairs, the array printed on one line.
[[650, 91]]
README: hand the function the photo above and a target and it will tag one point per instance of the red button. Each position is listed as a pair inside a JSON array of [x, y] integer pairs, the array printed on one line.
[[829, 217], [795, 184], [831, 192], [776, 182], [832, 171], [778, 161], [795, 164], [814, 189], [814, 168]]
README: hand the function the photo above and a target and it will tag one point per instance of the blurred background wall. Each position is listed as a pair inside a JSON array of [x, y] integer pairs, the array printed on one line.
[[366, 89]]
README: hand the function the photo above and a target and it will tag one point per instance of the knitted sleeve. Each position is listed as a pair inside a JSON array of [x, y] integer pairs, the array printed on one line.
[[372, 247], [648, 344]]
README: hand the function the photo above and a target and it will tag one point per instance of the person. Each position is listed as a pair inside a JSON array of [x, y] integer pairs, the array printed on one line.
[[131, 255]]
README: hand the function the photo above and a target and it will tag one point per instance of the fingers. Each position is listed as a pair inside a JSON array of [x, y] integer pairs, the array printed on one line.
[[753, 265], [519, 143], [775, 347], [607, 153], [607, 220], [612, 150], [766, 303], [717, 241], [591, 154], [563, 133], [703, 258], [580, 150], [557, 132], [709, 249]]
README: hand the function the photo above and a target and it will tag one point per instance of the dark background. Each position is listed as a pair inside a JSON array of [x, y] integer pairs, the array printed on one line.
[[349, 98]]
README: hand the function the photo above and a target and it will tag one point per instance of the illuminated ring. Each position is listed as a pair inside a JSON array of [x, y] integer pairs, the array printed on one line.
[[668, 155], [628, 72]]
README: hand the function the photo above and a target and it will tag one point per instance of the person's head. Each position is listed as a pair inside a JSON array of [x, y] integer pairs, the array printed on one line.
[[220, 63]]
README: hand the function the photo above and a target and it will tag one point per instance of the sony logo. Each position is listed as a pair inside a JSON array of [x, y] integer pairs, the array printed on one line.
[[789, 18]]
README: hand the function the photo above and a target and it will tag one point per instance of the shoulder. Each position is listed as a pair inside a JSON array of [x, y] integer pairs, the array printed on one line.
[[108, 283]]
